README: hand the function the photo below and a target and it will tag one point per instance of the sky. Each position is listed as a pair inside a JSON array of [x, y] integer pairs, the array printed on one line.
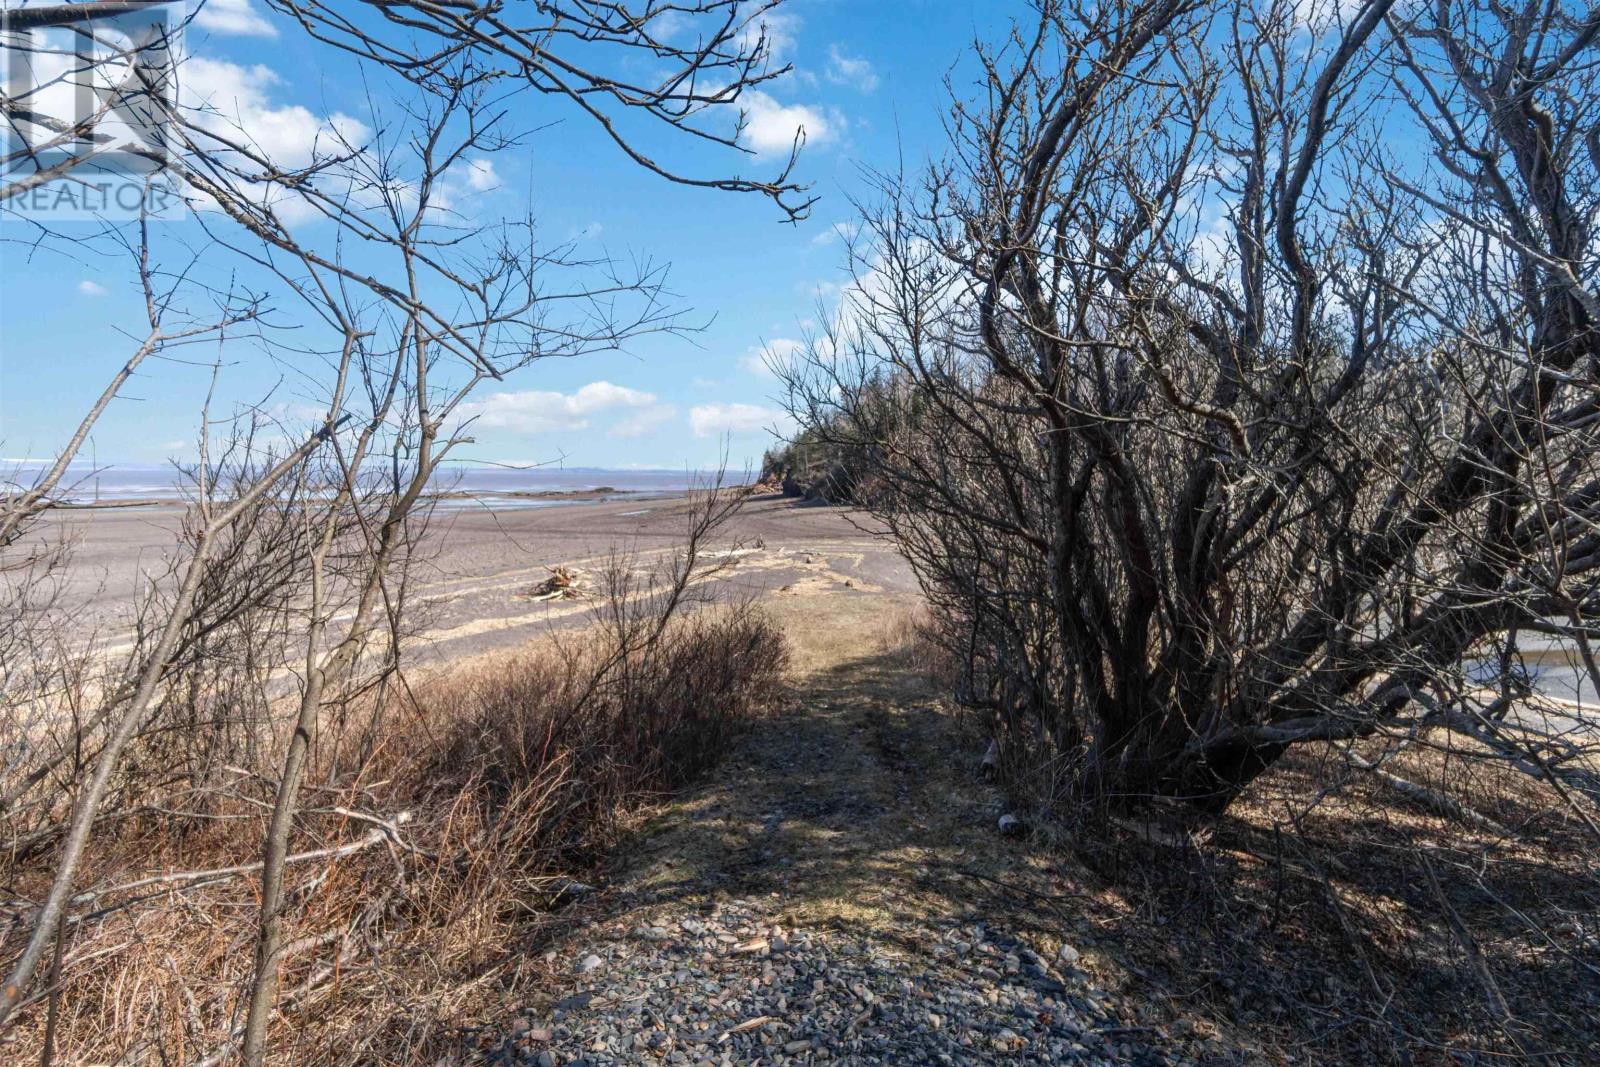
[[867, 86]]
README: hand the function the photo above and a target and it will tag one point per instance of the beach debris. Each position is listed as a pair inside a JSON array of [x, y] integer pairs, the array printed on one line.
[[564, 583]]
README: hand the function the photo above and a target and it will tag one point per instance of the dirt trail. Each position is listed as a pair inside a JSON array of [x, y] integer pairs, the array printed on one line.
[[836, 894]]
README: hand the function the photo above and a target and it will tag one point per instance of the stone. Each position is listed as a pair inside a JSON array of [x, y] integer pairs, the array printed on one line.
[[590, 964]]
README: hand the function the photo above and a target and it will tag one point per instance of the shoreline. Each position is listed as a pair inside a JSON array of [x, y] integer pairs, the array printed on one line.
[[596, 495]]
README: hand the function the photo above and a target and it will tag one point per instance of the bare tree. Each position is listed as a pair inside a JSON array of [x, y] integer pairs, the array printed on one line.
[[1216, 415], [294, 554]]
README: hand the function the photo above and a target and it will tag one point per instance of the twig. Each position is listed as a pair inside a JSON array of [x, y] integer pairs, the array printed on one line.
[[371, 838]]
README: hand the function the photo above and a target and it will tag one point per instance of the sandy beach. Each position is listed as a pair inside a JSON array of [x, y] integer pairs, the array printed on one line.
[[470, 595]]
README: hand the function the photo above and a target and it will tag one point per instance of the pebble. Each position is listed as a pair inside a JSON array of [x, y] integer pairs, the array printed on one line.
[[827, 996]]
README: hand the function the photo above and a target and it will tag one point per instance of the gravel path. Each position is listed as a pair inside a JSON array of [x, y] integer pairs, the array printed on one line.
[[734, 986], [816, 903]]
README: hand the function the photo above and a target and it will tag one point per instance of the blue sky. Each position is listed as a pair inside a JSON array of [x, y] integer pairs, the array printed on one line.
[[867, 85]]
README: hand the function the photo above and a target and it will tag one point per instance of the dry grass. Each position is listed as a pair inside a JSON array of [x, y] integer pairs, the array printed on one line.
[[1330, 916], [1363, 926], [438, 837]]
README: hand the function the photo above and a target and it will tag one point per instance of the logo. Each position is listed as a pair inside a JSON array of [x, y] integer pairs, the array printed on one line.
[[90, 92]]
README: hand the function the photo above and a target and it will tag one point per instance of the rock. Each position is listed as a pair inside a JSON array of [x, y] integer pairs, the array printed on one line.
[[1069, 955], [590, 964], [797, 1045], [1011, 826], [545, 1059]]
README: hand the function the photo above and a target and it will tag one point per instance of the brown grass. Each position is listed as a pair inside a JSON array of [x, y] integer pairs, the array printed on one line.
[[462, 812], [1329, 917]]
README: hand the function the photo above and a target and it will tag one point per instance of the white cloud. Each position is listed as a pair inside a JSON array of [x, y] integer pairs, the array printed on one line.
[[847, 70], [644, 420], [777, 354], [237, 99], [839, 231], [539, 411], [237, 103], [771, 127], [666, 23], [481, 175], [90, 288], [236, 18], [780, 28], [709, 420]]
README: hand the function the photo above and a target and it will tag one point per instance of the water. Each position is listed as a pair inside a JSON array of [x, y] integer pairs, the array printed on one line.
[[1554, 668], [497, 487]]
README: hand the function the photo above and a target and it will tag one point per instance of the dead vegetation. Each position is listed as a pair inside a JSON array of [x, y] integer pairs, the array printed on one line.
[[211, 831], [421, 871], [1222, 433], [1378, 903], [1363, 926]]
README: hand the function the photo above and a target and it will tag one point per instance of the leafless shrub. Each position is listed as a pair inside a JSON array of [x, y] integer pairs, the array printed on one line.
[[439, 831], [282, 612], [1201, 457], [1231, 386]]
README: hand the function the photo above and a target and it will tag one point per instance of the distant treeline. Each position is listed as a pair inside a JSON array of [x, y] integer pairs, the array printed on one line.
[[818, 468]]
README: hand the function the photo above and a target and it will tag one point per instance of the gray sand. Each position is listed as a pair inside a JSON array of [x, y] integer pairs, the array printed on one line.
[[470, 594]]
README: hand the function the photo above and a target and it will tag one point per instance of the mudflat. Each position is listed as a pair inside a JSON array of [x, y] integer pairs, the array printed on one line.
[[478, 565]]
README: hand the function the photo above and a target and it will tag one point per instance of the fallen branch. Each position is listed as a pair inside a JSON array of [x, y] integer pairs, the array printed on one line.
[[372, 837], [1430, 798]]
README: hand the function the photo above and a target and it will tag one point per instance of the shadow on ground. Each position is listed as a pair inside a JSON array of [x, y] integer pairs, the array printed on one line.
[[857, 816]]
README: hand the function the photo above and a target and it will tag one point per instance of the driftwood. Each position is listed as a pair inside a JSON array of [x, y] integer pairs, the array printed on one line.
[[564, 583]]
